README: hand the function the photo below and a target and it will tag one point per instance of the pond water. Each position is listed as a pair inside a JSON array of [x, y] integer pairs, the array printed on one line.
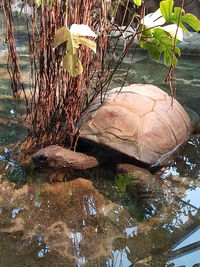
[[91, 222]]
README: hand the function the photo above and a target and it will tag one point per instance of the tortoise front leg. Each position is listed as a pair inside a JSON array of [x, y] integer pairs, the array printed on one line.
[[142, 184]]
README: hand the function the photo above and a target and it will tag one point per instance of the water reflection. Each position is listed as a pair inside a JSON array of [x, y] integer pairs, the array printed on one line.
[[67, 220], [73, 223]]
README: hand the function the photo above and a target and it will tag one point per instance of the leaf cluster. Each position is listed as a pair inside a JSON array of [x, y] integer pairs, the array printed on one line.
[[71, 62], [158, 41], [178, 16]]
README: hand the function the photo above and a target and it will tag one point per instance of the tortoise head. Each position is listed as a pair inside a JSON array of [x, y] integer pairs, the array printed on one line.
[[58, 157], [54, 156]]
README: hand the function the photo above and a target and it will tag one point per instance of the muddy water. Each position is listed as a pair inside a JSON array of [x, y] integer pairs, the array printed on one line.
[[92, 222]]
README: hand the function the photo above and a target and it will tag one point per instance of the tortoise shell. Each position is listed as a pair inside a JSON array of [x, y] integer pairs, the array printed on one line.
[[141, 121]]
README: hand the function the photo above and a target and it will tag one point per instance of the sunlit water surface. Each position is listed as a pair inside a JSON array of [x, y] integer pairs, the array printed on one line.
[[90, 222]]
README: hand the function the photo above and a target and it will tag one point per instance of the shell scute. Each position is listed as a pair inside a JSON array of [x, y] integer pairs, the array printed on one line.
[[141, 121]]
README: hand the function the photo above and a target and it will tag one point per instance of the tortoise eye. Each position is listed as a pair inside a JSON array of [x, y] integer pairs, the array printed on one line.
[[42, 158]]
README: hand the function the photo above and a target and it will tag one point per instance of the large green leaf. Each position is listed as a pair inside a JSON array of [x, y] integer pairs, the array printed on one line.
[[178, 16], [72, 64], [84, 41], [177, 13], [62, 35], [166, 8], [73, 40], [191, 20], [71, 47]]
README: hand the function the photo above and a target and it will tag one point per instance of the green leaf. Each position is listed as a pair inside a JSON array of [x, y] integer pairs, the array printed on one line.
[[84, 41], [177, 12], [167, 58], [72, 64], [188, 18], [137, 2], [166, 8], [158, 33], [70, 61], [154, 53], [175, 18], [122, 180], [178, 51], [161, 43], [62, 35], [178, 16], [71, 47], [191, 20], [161, 40]]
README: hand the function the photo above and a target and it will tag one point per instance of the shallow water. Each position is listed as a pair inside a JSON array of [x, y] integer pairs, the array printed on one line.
[[92, 222]]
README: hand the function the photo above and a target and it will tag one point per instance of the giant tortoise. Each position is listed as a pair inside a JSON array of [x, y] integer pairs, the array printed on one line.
[[139, 121]]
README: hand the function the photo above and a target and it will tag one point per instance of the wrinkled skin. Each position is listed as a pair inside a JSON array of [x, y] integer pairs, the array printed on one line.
[[58, 157], [143, 185]]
